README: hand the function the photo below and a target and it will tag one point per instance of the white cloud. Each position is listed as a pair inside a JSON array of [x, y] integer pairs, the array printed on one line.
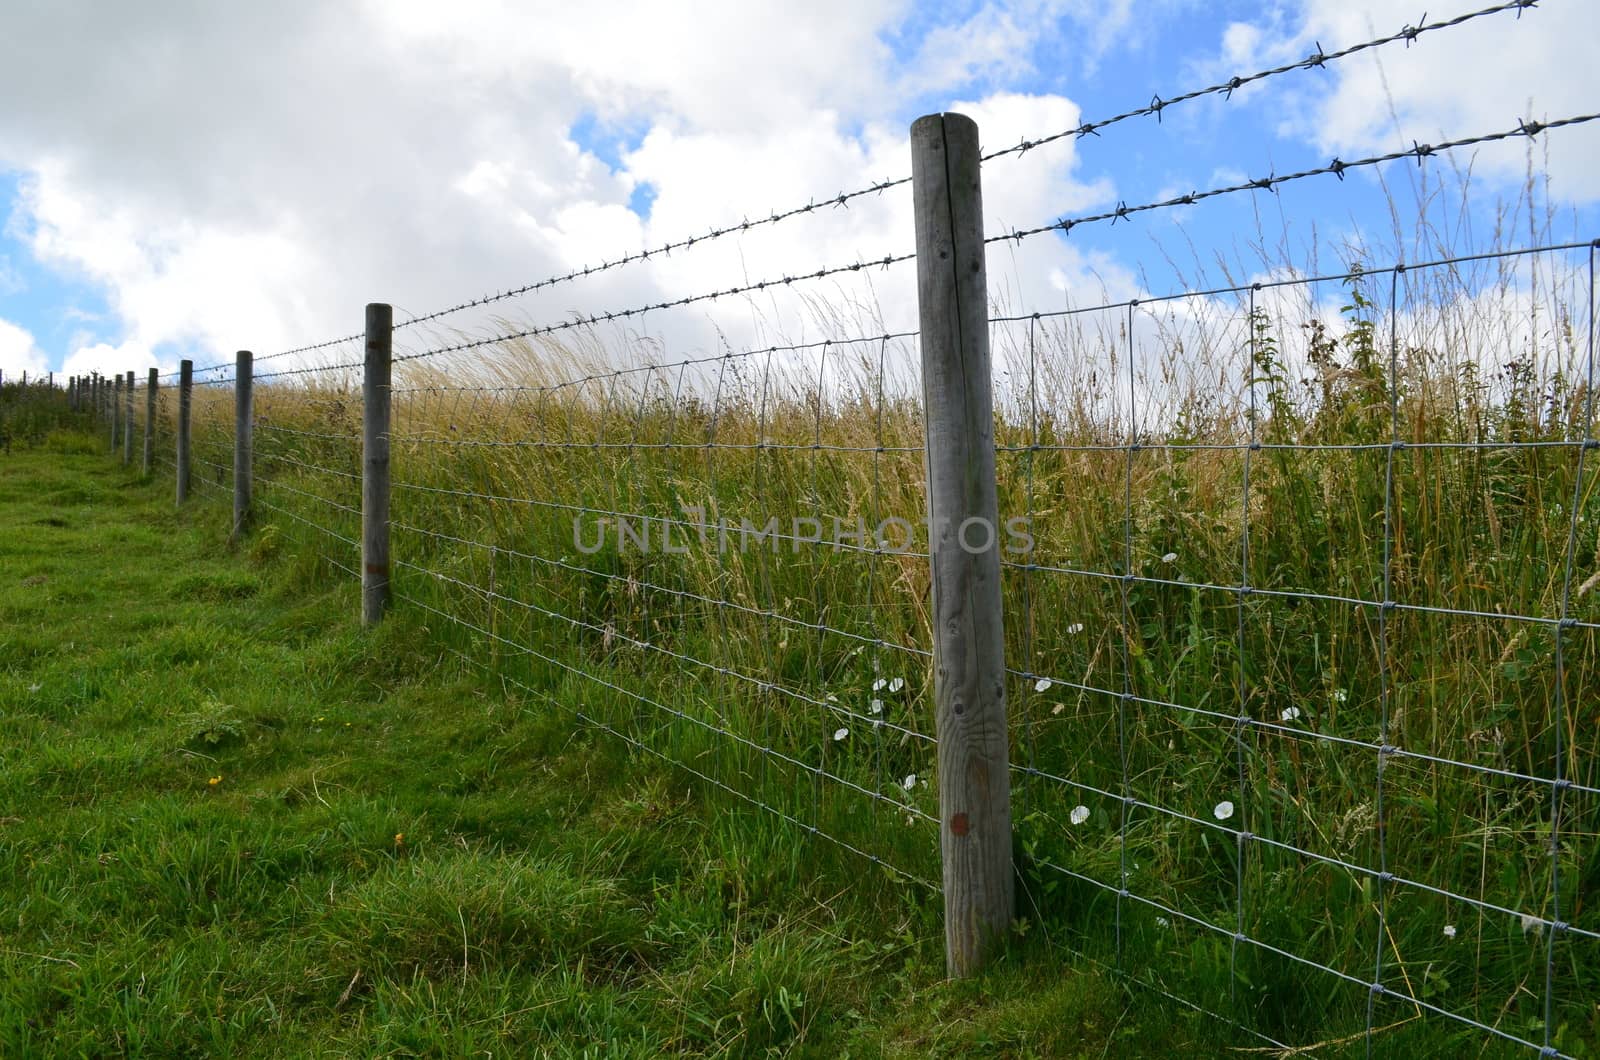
[[243, 178], [1480, 77], [19, 353]]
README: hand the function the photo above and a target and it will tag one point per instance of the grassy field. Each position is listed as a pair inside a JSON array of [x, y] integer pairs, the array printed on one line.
[[684, 798], [233, 825]]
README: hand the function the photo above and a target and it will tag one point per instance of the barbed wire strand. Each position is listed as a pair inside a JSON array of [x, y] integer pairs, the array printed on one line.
[[1272, 182]]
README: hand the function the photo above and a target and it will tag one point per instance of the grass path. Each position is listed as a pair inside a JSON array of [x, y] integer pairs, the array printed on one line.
[[232, 824]]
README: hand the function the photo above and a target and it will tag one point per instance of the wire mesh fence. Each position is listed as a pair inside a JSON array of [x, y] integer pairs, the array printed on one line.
[[1299, 584]]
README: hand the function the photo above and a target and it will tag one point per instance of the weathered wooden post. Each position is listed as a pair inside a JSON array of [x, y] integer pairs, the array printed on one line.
[[243, 437], [185, 395], [968, 642], [127, 422], [115, 418], [375, 464], [150, 421]]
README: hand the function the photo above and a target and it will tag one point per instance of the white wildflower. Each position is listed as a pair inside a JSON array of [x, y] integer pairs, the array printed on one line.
[[1223, 810], [1289, 714], [1340, 695], [33, 688], [1076, 627], [1080, 814], [910, 781], [1170, 557], [839, 734], [1449, 931], [1162, 921], [875, 707], [1042, 685]]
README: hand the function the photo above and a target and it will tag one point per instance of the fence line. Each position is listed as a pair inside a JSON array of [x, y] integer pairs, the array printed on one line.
[[1283, 759]]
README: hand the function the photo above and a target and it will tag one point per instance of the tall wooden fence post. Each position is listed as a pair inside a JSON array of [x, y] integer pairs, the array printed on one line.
[[115, 419], [127, 421], [150, 421], [969, 684], [243, 436], [185, 396], [375, 464]]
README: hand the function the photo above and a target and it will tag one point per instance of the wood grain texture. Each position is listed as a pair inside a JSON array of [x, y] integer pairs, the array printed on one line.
[[375, 399], [150, 392], [127, 420], [243, 439], [185, 399], [968, 635]]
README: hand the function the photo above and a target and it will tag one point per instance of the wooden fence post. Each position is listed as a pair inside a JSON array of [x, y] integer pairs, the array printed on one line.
[[375, 464], [115, 418], [127, 421], [185, 396], [150, 421], [243, 437], [968, 641]]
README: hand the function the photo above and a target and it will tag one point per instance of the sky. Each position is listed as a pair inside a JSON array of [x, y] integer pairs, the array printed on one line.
[[182, 178]]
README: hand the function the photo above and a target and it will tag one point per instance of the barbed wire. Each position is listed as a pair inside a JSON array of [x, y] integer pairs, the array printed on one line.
[[647, 367], [672, 303], [1155, 107], [1318, 59], [1337, 167]]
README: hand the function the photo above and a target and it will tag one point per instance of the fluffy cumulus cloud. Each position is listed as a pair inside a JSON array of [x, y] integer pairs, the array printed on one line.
[[1480, 77], [19, 353], [236, 177]]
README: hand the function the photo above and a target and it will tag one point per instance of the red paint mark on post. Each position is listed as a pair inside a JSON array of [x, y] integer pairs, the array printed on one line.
[[958, 824]]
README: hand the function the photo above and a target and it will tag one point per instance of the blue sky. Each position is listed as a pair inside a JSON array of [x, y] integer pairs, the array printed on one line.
[[471, 157]]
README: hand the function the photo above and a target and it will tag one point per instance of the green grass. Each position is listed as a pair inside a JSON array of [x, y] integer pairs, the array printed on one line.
[[514, 718], [400, 857]]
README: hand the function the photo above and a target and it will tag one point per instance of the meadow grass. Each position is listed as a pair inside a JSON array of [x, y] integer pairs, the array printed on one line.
[[782, 689], [792, 680], [231, 823]]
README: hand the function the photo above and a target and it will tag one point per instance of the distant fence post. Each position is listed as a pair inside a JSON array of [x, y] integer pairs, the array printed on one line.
[[127, 422], [185, 396], [243, 436], [375, 464], [115, 418], [968, 642], [150, 422]]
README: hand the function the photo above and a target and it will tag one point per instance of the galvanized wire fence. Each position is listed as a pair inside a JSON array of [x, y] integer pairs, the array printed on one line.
[[1299, 595]]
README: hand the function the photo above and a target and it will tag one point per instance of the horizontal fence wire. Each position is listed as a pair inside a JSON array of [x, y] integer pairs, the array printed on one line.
[[614, 529], [1155, 108], [1526, 129], [1298, 603], [593, 319], [1400, 438], [1318, 60]]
